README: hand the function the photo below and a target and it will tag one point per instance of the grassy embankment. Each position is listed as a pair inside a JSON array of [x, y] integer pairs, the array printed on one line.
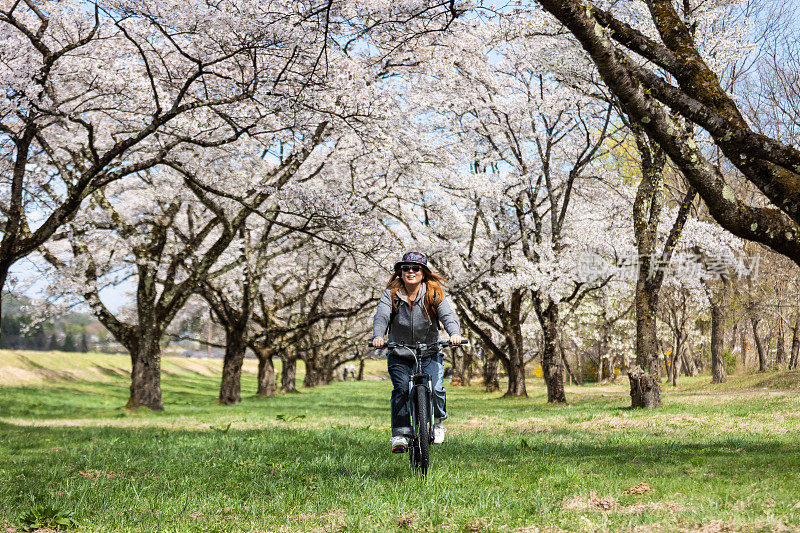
[[714, 457]]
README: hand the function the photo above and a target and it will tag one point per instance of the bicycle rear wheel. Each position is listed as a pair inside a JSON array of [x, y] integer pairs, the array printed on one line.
[[422, 427]]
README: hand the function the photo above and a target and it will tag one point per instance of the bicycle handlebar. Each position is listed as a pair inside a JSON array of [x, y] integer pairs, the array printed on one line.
[[442, 344]]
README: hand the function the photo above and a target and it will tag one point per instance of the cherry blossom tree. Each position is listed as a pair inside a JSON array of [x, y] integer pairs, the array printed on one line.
[[655, 66], [102, 90], [532, 145], [170, 238], [97, 92]]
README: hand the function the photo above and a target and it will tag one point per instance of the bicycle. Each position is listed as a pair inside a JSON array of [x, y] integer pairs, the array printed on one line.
[[420, 404]]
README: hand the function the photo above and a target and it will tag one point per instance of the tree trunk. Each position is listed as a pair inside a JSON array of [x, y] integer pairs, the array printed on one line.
[[327, 374], [718, 372], [230, 390], [360, 369], [795, 344], [313, 375], [762, 356], [734, 336], [458, 369], [288, 372], [3, 276], [599, 369], [266, 372], [491, 381], [145, 390], [551, 356], [677, 359], [645, 389], [469, 358], [516, 374], [743, 344], [689, 363], [576, 376], [645, 377], [515, 363], [780, 349]]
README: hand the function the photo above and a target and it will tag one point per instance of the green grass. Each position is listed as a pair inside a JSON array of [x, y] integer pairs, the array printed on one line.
[[319, 460]]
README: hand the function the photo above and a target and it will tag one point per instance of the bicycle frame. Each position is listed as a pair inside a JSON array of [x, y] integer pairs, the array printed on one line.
[[418, 377], [419, 380]]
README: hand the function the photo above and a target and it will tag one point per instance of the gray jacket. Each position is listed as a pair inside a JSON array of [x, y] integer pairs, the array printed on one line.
[[411, 325]]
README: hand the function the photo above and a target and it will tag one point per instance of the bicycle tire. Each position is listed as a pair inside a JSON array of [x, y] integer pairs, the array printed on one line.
[[422, 425]]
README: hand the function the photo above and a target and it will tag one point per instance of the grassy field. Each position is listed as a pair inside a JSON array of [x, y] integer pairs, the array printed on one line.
[[715, 458]]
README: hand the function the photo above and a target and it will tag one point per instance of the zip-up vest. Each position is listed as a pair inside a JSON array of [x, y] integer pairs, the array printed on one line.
[[434, 295]]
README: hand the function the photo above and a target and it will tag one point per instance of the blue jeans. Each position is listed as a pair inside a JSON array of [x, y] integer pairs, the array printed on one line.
[[400, 370]]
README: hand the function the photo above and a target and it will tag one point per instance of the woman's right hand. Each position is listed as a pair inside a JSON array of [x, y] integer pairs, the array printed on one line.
[[377, 342]]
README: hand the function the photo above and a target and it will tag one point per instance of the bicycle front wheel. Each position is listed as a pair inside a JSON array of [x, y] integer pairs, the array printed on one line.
[[422, 427]]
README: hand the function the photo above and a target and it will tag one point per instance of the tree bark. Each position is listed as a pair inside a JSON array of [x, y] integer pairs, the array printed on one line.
[[145, 389], [491, 380], [780, 349], [469, 356], [458, 369], [266, 371], [515, 365], [314, 375], [734, 336], [288, 372], [763, 365], [645, 377], [551, 356], [645, 389], [718, 372], [795, 344], [516, 377], [230, 390], [743, 344]]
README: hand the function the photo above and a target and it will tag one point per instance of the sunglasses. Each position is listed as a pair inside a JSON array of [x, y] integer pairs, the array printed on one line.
[[412, 268]]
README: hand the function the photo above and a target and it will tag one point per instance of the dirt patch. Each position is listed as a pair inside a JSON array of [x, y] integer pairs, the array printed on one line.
[[608, 504], [333, 520], [639, 488], [591, 503], [476, 525], [97, 474]]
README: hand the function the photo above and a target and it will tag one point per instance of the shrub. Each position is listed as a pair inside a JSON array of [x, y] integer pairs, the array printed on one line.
[[730, 361]]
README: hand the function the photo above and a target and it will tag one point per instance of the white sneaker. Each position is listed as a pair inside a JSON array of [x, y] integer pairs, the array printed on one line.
[[399, 444], [438, 433]]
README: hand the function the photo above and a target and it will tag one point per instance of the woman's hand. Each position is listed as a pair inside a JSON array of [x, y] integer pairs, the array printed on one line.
[[377, 342], [455, 339]]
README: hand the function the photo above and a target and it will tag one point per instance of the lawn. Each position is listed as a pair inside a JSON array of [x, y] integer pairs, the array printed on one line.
[[713, 458]]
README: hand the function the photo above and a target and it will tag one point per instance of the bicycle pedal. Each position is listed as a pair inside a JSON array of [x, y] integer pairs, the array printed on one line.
[[399, 449]]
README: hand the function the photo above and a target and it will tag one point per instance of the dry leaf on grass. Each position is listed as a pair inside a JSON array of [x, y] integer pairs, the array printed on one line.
[[406, 520], [477, 525], [97, 474], [715, 526], [608, 504], [592, 503], [639, 488]]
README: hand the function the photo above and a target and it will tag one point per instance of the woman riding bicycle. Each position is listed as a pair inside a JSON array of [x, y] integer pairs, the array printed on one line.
[[410, 310]]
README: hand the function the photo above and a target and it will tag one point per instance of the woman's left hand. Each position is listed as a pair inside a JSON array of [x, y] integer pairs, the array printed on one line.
[[455, 339]]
